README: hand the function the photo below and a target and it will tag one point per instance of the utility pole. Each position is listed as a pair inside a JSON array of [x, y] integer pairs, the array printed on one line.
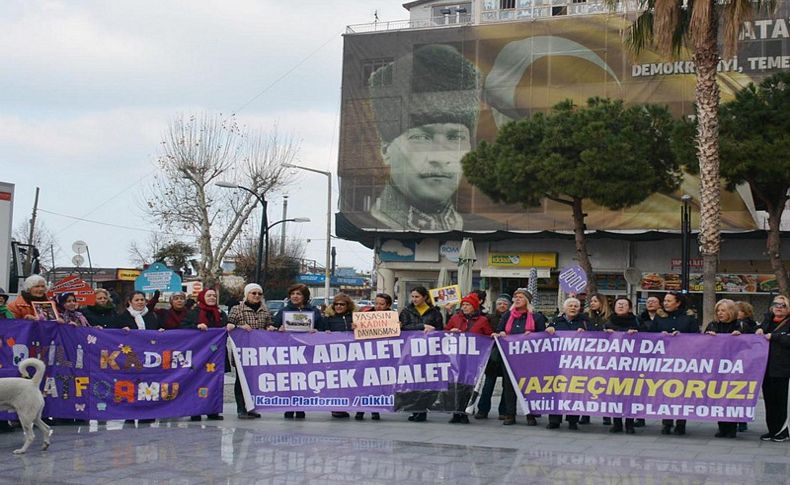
[[29, 257], [285, 216]]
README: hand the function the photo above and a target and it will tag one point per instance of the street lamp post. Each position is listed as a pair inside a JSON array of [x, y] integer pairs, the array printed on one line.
[[264, 222], [268, 229], [327, 276], [685, 231]]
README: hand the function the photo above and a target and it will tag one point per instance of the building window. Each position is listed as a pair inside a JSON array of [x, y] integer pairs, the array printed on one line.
[[451, 14], [507, 4], [372, 65]]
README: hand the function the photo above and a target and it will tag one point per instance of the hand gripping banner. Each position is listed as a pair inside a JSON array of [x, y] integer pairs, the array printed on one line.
[[415, 372], [113, 374], [644, 375]]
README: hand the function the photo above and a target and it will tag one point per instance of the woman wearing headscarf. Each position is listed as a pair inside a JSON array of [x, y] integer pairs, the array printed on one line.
[[170, 318], [520, 319], [422, 316], [206, 314], [623, 320], [102, 313], [250, 314], [493, 369], [678, 320], [339, 317], [34, 288], [570, 320], [69, 313], [726, 323], [469, 319], [298, 298], [776, 330], [136, 316]]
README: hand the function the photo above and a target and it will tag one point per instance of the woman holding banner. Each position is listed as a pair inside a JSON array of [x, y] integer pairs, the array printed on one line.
[[382, 303], [777, 331], [598, 313], [678, 320], [623, 320], [494, 366], [469, 319], [726, 322], [34, 288], [339, 318], [420, 315], [69, 313], [298, 298], [250, 314], [102, 314], [520, 319], [206, 314], [136, 316], [571, 320]]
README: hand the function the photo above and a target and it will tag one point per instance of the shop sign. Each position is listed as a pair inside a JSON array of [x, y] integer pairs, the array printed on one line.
[[725, 282], [522, 260]]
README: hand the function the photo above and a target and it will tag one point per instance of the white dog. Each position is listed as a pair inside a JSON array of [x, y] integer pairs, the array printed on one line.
[[24, 397]]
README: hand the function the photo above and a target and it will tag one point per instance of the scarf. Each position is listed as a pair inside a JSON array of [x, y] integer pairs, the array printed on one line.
[[138, 316], [208, 313], [255, 306], [74, 316], [515, 315], [28, 297], [422, 308], [102, 309]]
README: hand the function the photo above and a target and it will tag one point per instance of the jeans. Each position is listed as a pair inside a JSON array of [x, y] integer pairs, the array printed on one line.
[[484, 402]]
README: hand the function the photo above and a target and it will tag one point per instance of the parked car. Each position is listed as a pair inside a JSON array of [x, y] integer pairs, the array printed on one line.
[[275, 306], [363, 303]]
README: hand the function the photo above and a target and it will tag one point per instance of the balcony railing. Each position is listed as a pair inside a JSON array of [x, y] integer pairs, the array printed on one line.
[[453, 20]]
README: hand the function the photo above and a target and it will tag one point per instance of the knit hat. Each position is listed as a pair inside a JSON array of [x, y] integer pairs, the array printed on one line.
[[3, 294], [250, 287], [472, 299], [524, 292], [62, 297], [505, 298]]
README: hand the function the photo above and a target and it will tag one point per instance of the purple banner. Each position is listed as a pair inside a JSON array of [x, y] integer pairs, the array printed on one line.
[[112, 374], [644, 375], [415, 372]]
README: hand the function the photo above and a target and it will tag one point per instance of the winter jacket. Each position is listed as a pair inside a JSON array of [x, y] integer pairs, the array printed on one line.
[[727, 327], [100, 316], [21, 308], [338, 323], [169, 318], [318, 320], [243, 314], [625, 323], [193, 319], [749, 324], [595, 321], [474, 323], [682, 321], [5, 313], [644, 317], [519, 324], [779, 347], [410, 318], [562, 322], [125, 319]]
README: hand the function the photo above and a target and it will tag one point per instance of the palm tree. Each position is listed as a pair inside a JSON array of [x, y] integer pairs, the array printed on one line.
[[674, 25]]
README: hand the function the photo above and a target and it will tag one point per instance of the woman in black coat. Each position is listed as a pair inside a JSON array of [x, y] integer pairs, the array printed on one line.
[[570, 320], [136, 316], [726, 323], [678, 320], [777, 331], [623, 320], [102, 314], [519, 319], [420, 315], [339, 318]]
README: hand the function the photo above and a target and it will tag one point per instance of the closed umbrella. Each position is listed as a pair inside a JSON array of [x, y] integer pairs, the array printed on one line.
[[532, 287], [466, 258], [443, 279]]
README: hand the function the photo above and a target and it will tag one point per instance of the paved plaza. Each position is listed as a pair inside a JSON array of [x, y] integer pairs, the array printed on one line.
[[322, 450]]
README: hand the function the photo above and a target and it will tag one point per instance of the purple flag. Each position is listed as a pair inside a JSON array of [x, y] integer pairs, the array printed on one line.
[[112, 374], [644, 375], [415, 372]]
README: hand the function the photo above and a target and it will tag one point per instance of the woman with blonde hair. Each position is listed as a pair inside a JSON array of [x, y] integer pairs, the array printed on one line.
[[726, 322], [777, 331]]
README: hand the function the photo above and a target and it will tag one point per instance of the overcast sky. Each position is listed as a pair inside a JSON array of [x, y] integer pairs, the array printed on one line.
[[88, 87]]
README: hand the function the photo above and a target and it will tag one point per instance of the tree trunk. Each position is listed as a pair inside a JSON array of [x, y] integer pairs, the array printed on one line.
[[774, 246], [581, 246], [706, 58]]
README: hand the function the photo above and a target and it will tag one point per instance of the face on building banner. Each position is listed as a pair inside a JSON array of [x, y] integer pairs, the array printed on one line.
[[414, 102], [112, 374], [332, 372], [653, 376]]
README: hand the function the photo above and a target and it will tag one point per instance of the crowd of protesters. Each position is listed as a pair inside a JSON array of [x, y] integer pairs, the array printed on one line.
[[511, 315]]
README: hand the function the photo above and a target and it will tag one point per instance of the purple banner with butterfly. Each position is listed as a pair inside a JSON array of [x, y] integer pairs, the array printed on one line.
[[106, 374]]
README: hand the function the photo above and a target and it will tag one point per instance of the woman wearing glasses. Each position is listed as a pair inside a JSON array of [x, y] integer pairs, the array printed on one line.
[[250, 314], [777, 375], [339, 318]]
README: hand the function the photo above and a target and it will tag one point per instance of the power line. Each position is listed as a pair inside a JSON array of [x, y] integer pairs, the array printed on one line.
[[118, 226]]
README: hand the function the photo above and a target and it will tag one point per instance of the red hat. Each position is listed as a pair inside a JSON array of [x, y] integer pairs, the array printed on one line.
[[472, 299]]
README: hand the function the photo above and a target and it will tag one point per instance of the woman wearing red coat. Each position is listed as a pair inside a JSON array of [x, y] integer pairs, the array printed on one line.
[[469, 319]]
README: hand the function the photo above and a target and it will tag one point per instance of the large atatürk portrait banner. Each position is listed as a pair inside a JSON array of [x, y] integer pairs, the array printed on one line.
[[415, 101]]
